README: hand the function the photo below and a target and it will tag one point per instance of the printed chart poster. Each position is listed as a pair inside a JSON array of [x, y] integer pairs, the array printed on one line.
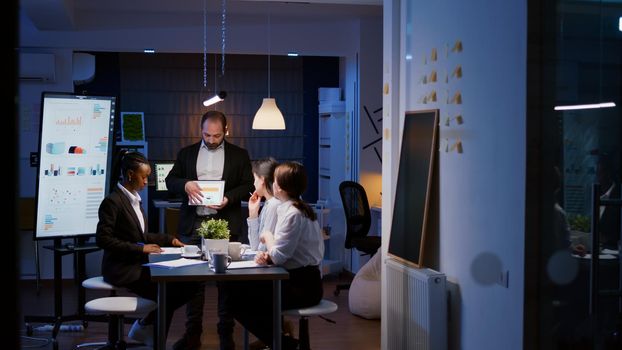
[[75, 157]]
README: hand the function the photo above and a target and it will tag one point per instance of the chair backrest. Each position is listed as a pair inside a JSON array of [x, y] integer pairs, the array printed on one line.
[[356, 208]]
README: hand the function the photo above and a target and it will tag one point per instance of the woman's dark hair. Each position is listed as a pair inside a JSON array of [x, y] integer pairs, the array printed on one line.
[[125, 161], [265, 168], [215, 115], [292, 179]]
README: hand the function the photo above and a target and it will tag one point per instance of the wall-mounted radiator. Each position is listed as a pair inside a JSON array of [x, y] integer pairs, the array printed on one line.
[[416, 308]]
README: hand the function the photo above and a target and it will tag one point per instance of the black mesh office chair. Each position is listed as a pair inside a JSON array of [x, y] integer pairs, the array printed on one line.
[[358, 222]]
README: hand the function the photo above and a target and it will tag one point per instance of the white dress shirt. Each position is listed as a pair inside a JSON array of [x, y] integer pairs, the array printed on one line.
[[134, 198], [265, 222], [210, 165], [297, 239]]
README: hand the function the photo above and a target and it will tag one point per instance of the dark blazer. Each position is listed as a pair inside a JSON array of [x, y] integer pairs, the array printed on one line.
[[119, 234], [238, 178]]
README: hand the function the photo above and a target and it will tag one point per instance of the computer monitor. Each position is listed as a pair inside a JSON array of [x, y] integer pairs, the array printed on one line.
[[161, 172]]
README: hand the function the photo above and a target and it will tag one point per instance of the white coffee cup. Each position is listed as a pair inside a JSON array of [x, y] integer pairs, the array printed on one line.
[[236, 250], [190, 250]]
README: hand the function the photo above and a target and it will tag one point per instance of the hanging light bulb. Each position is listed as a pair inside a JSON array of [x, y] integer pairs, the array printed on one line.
[[269, 116]]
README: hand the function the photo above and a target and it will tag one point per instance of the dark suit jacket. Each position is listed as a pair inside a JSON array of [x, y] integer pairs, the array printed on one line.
[[610, 222], [119, 234], [238, 178]]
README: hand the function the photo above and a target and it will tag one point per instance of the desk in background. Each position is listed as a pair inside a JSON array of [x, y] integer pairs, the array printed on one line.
[[204, 273], [162, 205]]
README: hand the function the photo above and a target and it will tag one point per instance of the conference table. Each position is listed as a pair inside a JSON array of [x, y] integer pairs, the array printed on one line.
[[202, 272]]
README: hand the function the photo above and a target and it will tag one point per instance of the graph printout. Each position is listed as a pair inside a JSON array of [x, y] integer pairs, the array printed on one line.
[[75, 160]]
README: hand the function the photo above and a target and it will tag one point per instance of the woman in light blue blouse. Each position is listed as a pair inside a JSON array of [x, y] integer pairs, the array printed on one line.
[[263, 172], [297, 245]]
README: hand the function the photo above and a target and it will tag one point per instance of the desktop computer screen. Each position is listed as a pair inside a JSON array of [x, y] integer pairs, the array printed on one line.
[[161, 171]]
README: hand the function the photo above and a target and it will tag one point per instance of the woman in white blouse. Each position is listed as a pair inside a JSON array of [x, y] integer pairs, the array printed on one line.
[[263, 172], [296, 245]]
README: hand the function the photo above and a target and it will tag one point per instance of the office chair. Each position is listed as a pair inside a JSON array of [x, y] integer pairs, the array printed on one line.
[[358, 222]]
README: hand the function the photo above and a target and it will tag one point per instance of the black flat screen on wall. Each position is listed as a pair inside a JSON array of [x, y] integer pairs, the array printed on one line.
[[412, 195]]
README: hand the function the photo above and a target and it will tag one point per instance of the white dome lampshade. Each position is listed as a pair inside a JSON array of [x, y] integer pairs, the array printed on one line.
[[268, 117]]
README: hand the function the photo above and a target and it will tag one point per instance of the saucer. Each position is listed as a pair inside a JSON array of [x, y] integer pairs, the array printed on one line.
[[191, 256]]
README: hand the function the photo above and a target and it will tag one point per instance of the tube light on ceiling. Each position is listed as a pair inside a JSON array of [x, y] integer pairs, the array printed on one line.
[[585, 106], [215, 99]]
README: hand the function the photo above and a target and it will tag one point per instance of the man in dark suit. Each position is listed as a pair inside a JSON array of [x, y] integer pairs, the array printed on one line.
[[212, 158]]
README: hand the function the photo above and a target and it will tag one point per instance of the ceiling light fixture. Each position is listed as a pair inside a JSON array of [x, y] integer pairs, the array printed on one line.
[[215, 99], [220, 96], [269, 116], [585, 106]]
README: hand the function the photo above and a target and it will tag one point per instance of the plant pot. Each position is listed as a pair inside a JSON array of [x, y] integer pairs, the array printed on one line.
[[209, 246]]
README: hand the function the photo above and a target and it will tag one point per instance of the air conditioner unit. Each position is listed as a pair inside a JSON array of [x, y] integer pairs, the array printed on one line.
[[37, 67]]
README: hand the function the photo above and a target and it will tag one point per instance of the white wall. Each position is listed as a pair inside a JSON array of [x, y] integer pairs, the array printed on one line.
[[370, 76], [482, 191]]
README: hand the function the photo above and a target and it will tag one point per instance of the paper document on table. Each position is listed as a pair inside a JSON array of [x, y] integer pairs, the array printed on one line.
[[212, 191], [170, 250], [610, 251], [171, 264], [601, 256], [248, 264]]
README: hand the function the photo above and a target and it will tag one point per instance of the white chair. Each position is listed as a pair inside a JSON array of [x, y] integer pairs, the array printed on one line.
[[323, 308], [97, 283], [116, 308]]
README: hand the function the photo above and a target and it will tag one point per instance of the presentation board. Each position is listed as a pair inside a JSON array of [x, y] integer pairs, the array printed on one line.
[[414, 179], [75, 148]]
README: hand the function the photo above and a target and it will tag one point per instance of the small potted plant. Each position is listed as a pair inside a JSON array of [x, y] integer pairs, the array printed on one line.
[[214, 236]]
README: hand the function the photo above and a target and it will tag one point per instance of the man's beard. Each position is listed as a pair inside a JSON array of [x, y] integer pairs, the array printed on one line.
[[213, 146]]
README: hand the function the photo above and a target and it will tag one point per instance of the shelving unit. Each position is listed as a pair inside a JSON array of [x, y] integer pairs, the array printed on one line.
[[332, 157]]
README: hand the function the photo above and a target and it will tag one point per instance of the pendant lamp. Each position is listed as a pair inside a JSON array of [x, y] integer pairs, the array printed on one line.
[[269, 116]]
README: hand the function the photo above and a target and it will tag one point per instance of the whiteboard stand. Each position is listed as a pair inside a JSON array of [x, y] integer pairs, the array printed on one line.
[[80, 249]]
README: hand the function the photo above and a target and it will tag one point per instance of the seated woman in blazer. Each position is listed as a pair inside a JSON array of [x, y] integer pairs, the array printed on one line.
[[122, 234], [297, 245]]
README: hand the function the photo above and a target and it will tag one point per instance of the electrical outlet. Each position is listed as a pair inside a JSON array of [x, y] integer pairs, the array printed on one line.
[[504, 279]]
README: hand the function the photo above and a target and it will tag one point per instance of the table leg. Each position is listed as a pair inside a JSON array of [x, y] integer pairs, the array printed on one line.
[[161, 220], [161, 322], [276, 315]]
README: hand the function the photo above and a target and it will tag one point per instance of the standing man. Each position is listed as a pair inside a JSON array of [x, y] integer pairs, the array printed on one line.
[[212, 158]]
